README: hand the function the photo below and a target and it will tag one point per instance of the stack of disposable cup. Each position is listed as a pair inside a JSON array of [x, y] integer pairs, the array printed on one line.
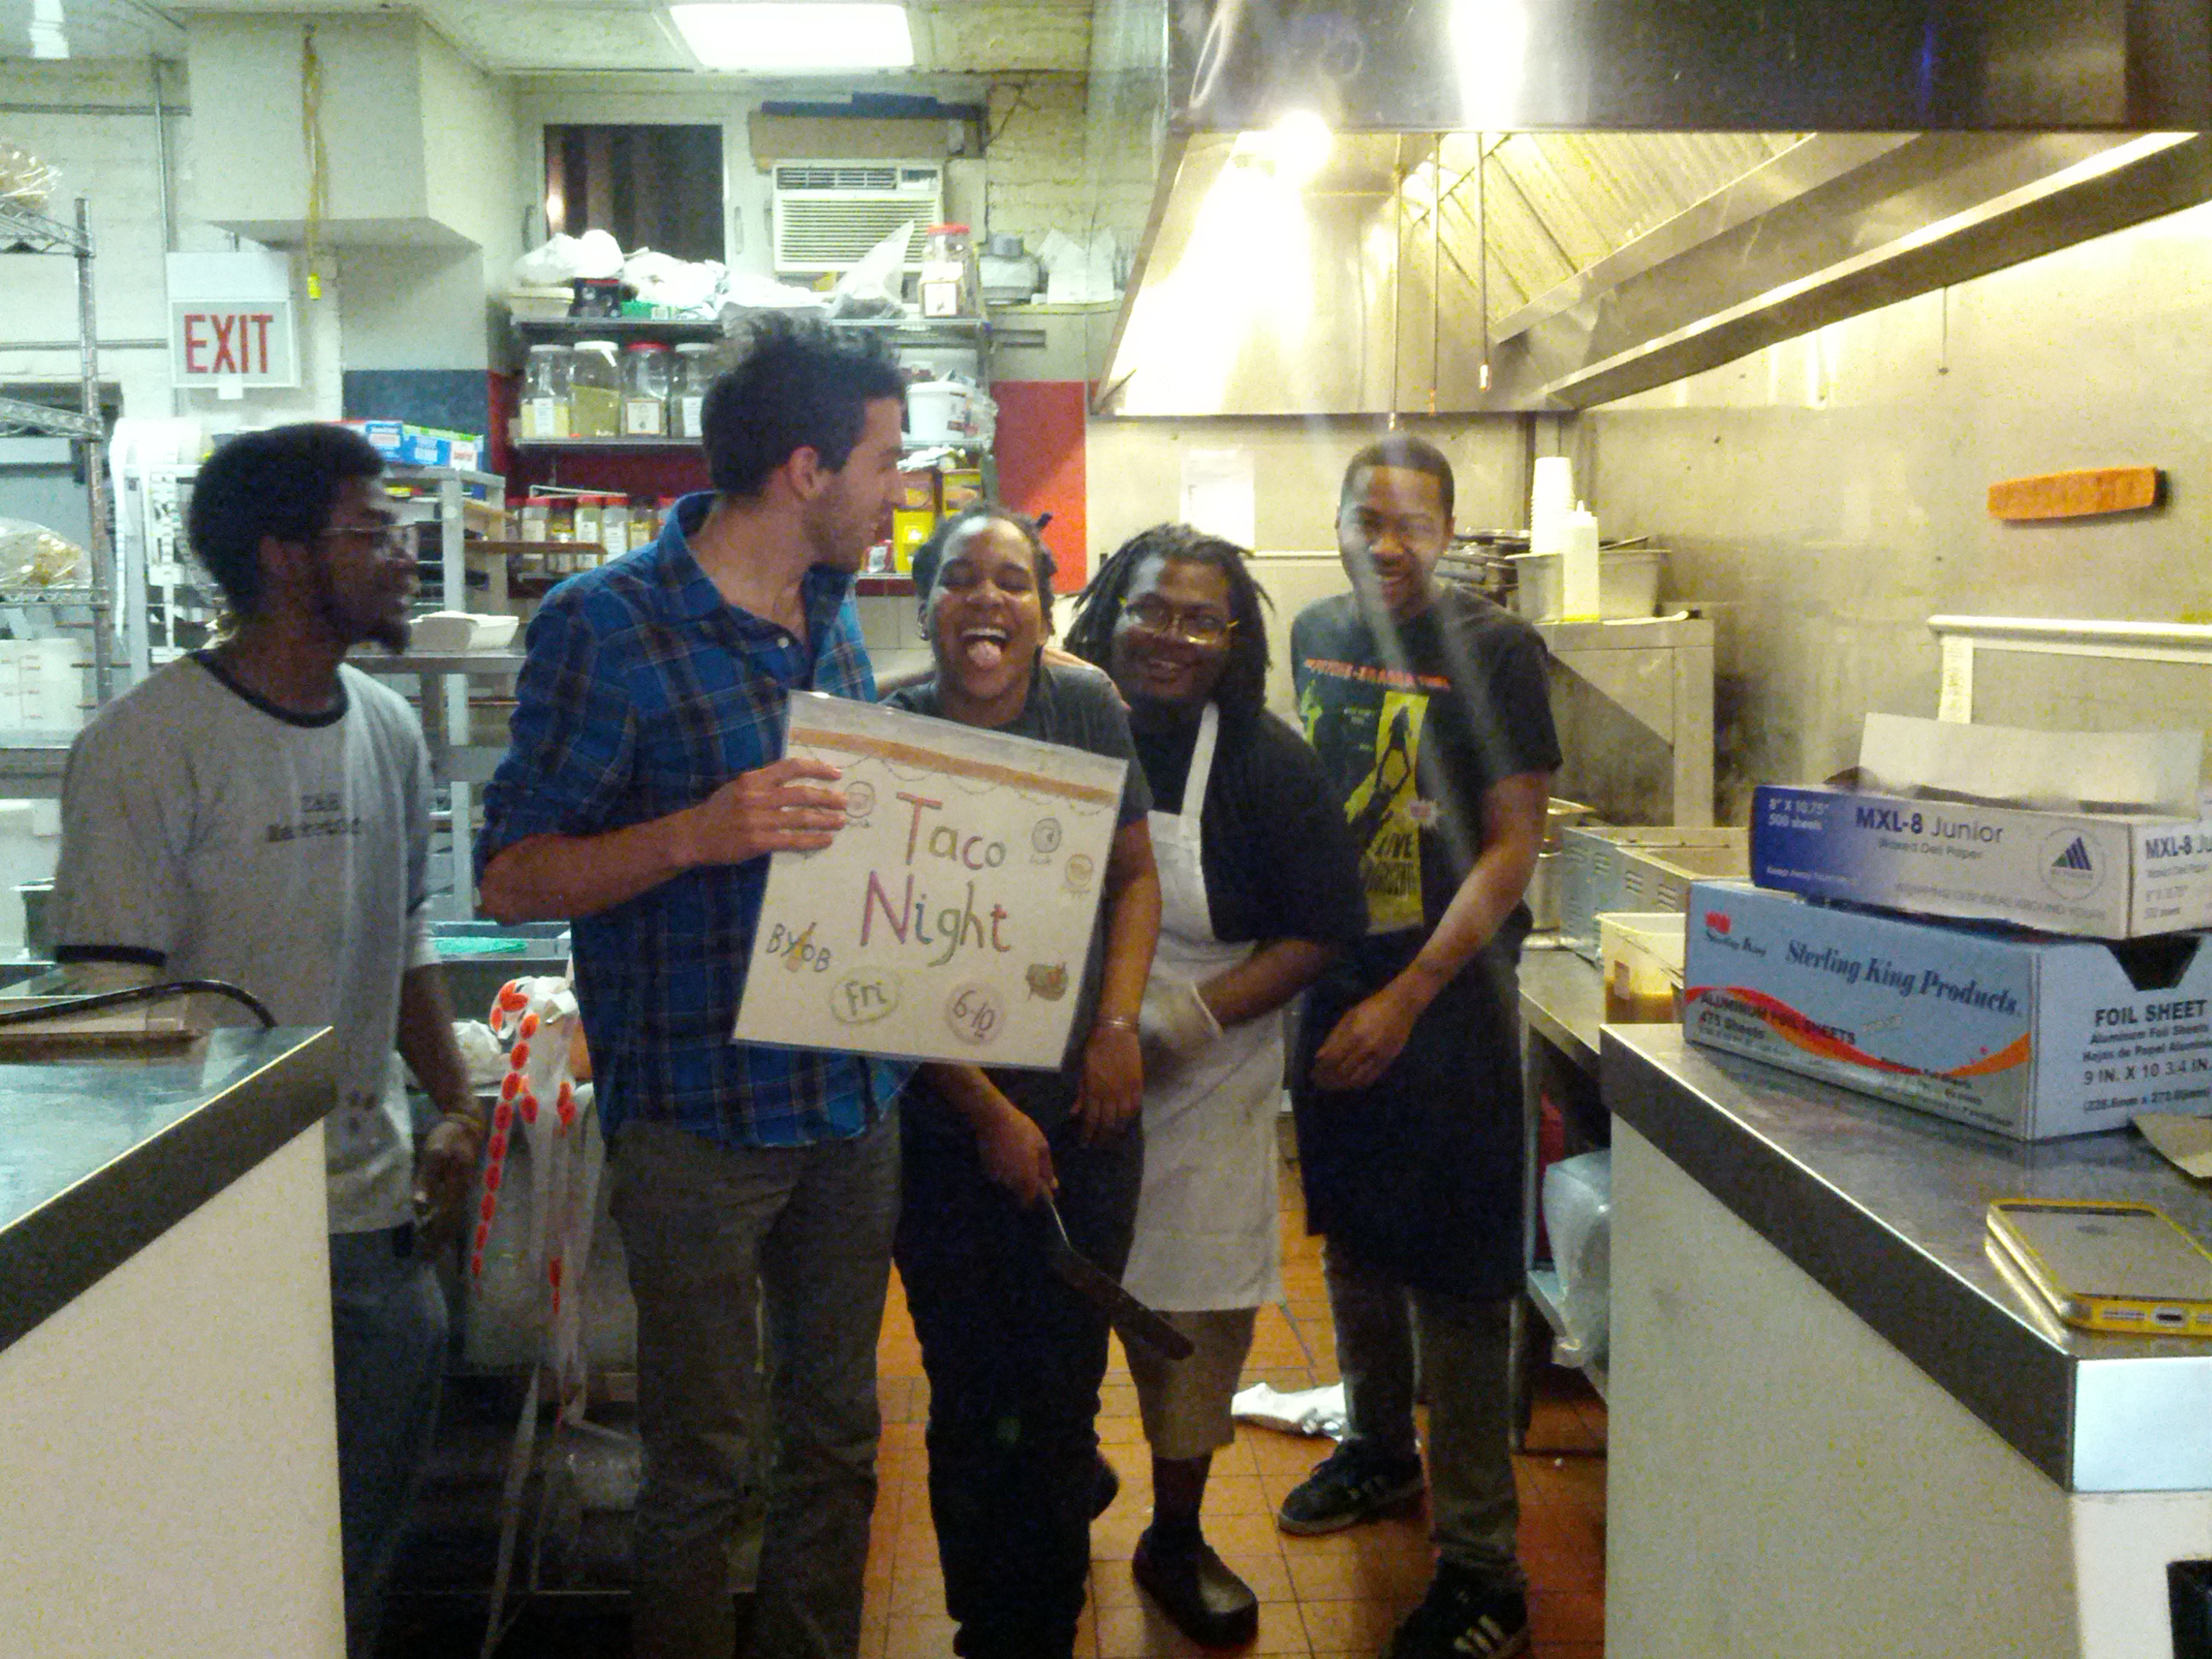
[[1551, 499]]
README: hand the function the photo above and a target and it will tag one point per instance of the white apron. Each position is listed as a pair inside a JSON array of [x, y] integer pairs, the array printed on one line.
[[1207, 1217]]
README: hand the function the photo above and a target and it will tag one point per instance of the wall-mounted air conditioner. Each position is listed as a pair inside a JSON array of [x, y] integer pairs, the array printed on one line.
[[826, 214]]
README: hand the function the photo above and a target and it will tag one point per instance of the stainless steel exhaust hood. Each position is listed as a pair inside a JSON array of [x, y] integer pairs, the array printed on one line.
[[1697, 65], [1545, 204]]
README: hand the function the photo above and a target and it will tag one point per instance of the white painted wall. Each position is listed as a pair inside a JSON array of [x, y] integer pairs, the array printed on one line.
[[469, 148], [414, 307], [246, 74], [112, 158], [415, 131]]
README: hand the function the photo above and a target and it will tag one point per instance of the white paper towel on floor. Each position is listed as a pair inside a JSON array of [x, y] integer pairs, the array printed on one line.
[[1309, 1411]]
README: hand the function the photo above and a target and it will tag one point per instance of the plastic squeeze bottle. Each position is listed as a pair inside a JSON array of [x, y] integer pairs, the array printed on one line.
[[1578, 580]]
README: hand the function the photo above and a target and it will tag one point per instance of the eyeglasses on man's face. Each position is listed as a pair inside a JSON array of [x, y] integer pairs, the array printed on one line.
[[382, 532], [1201, 624]]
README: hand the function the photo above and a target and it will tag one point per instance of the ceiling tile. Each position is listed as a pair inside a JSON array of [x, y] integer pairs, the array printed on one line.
[[583, 34]]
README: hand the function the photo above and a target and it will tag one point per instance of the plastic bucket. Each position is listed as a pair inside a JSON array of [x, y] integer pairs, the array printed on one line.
[[936, 410]]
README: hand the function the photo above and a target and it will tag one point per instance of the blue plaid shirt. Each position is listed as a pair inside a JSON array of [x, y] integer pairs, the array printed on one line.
[[643, 692]]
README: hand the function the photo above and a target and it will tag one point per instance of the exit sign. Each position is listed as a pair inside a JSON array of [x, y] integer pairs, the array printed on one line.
[[231, 320]]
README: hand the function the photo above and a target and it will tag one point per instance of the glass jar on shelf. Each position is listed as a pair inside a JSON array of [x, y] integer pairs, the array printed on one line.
[[545, 392], [594, 391], [560, 518], [948, 272], [694, 372], [648, 371], [588, 531]]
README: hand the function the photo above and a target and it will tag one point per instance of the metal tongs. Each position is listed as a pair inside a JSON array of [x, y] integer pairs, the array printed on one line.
[[1131, 1318]]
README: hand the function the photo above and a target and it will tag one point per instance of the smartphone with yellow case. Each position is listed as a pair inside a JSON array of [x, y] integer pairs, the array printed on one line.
[[2116, 1267]]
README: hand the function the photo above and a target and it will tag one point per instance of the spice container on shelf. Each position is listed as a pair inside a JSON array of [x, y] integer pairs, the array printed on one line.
[[588, 530], [535, 520], [948, 272], [560, 518], [648, 374], [594, 391], [694, 372], [545, 392], [614, 528]]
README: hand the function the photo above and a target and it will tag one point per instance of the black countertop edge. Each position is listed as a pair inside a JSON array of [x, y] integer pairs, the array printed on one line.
[[56, 1252], [1984, 1356]]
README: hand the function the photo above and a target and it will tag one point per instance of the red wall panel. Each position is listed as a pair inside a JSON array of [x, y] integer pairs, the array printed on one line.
[[1040, 470]]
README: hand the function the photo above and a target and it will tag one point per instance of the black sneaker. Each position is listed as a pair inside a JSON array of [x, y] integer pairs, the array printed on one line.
[[1351, 1485], [1462, 1617]]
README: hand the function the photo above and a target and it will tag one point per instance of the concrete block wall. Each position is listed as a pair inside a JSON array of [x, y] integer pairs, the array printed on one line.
[[1034, 157]]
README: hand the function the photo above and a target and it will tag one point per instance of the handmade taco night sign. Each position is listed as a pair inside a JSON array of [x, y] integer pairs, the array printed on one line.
[[950, 918]]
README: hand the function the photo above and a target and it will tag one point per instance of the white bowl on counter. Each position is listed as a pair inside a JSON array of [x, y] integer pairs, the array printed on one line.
[[449, 633]]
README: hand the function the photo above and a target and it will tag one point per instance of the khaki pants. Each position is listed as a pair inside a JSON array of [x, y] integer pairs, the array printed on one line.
[[713, 1234], [1184, 1403]]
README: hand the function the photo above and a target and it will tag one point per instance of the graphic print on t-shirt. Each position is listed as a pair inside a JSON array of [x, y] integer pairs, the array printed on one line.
[[1367, 725], [322, 812]]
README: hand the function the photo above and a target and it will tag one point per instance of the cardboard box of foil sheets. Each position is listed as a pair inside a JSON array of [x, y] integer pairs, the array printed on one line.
[[2028, 1035], [2044, 846]]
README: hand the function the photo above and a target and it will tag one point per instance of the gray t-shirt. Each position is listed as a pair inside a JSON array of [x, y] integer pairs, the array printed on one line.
[[210, 836]]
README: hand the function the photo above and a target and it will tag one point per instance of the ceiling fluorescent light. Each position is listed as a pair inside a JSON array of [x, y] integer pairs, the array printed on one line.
[[49, 35], [796, 37]]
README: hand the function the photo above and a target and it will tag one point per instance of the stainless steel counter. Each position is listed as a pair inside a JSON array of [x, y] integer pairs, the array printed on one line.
[[1562, 998], [100, 1158], [1884, 1208]]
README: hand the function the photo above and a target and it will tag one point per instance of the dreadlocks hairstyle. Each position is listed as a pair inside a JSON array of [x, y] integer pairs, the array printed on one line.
[[1242, 691]]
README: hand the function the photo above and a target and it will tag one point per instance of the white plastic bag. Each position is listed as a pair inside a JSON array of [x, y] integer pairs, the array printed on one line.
[[1080, 272], [1578, 1217], [480, 1052], [24, 179], [598, 255], [32, 556], [876, 286], [563, 259], [685, 286], [742, 291]]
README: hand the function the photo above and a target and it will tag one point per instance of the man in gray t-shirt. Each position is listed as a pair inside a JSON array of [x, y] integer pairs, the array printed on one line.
[[260, 813]]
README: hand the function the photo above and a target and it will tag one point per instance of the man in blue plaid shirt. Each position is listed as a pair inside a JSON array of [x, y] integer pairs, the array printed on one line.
[[644, 784]]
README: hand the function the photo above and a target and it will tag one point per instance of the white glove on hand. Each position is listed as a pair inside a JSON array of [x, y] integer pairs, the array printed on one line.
[[1175, 1018]]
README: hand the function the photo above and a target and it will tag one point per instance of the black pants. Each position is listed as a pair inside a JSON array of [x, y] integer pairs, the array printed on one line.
[[1014, 1359]]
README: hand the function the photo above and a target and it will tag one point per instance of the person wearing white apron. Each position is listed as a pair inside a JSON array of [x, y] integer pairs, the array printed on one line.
[[1259, 887]]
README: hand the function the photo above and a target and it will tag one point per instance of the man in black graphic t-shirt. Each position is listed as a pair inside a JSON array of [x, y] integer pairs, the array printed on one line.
[[1428, 708]]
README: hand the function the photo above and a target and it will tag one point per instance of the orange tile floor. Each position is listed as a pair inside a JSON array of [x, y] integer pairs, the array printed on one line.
[[1342, 1592]]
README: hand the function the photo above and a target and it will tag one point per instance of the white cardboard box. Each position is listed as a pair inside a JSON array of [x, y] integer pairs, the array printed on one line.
[[2101, 835], [2102, 875], [2027, 1035]]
